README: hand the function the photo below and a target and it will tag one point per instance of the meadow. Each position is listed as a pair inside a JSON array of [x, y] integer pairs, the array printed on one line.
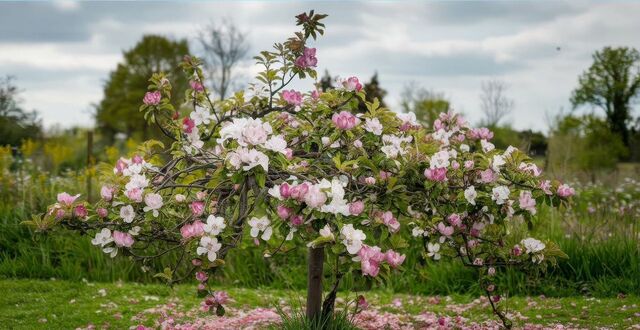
[[599, 232]]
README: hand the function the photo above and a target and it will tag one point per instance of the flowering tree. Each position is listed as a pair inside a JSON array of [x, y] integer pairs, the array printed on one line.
[[276, 168]]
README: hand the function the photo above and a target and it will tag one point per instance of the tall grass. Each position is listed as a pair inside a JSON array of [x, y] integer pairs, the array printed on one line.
[[600, 234]]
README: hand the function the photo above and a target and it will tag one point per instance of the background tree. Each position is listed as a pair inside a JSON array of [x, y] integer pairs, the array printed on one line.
[[426, 104], [118, 112], [16, 124], [612, 84], [373, 91], [326, 82], [583, 144], [494, 103], [224, 46]]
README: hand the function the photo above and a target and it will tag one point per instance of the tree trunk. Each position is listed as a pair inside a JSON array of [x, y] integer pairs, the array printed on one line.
[[314, 282]]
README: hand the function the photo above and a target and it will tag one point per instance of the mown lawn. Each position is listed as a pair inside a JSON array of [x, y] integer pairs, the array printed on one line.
[[31, 304]]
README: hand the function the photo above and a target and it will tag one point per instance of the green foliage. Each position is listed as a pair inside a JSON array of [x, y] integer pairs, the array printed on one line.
[[16, 124], [584, 143], [127, 85], [426, 104], [530, 142], [297, 319], [373, 92], [611, 83]]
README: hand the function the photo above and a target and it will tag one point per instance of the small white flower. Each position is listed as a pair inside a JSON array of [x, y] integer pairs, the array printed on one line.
[[464, 147], [127, 213], [210, 247], [352, 238], [417, 232], [154, 203], [498, 161], [214, 225], [276, 143], [326, 232], [137, 181], [486, 145], [532, 245], [500, 194], [470, 195], [373, 126], [440, 160], [201, 116], [261, 225], [434, 250], [102, 238]]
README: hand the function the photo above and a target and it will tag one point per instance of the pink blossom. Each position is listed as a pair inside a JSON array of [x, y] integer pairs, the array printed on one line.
[[292, 97], [196, 262], [390, 221], [307, 59], [357, 144], [315, 198], [455, 220], [152, 98], [345, 120], [455, 165], [297, 220], [355, 208], [121, 165], [283, 211], [137, 159], [285, 190], [527, 202], [362, 303], [188, 124], [122, 239], [315, 95], [300, 191], [288, 153], [444, 229], [352, 84], [385, 175], [468, 164], [488, 176], [66, 199], [517, 250], [545, 185], [436, 174], [438, 125], [196, 86], [370, 259], [482, 133], [134, 194], [191, 230], [106, 193], [60, 214], [394, 259], [102, 212], [202, 276], [80, 211], [221, 297], [370, 180], [197, 208], [566, 191]]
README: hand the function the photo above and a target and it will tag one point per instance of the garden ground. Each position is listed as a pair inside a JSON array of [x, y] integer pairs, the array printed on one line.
[[55, 304]]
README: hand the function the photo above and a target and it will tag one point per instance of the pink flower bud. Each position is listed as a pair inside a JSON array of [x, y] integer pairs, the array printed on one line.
[[102, 212], [283, 211], [355, 208], [297, 220], [152, 98], [202, 276], [284, 190], [80, 211]]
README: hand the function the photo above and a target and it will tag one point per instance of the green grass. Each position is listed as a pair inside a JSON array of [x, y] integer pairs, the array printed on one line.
[[33, 304]]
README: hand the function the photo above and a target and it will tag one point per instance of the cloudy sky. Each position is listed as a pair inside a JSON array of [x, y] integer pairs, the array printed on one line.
[[62, 52]]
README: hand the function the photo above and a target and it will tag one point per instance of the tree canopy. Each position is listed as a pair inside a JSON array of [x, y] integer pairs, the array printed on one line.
[[16, 124], [611, 83], [118, 112]]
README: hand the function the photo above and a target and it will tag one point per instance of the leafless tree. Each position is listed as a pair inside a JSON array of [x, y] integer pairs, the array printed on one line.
[[495, 104], [224, 46]]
